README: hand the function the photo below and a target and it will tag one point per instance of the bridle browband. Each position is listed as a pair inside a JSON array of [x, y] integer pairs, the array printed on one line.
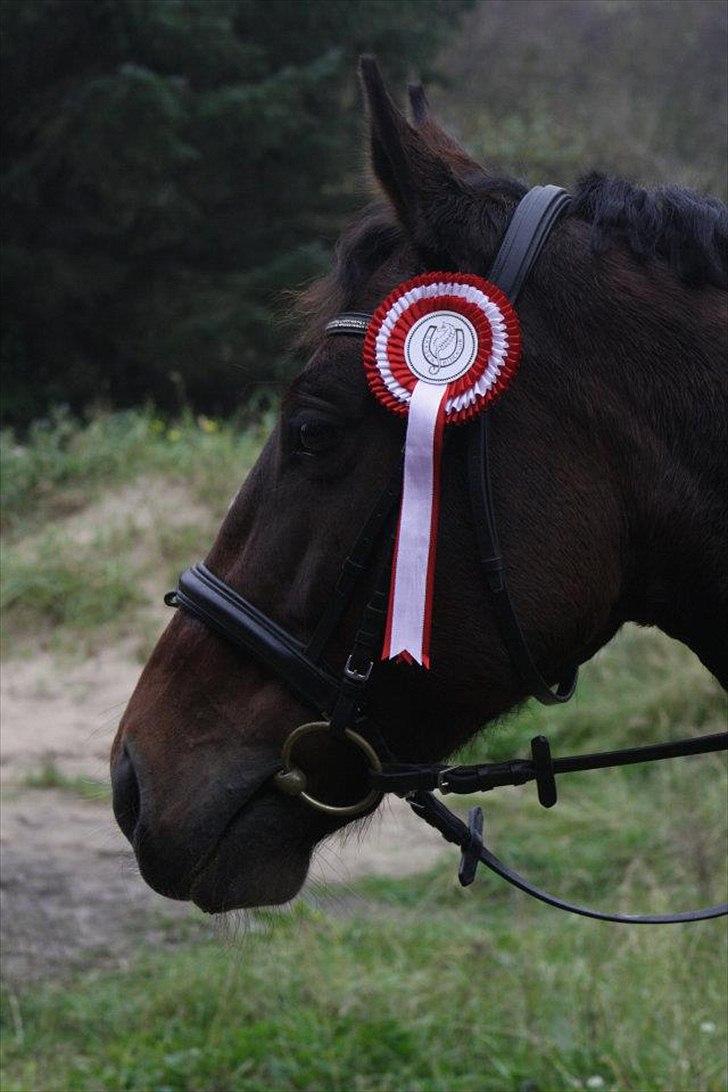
[[342, 699]]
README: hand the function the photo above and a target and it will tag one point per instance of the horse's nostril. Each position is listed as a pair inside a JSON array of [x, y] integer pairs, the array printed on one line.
[[126, 793]]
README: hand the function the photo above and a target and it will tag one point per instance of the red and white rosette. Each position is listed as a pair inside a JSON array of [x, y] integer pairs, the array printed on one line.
[[440, 348]]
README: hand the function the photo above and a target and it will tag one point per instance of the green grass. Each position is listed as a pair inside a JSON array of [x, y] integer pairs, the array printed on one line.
[[49, 776], [73, 571], [59, 583], [472, 997], [61, 466]]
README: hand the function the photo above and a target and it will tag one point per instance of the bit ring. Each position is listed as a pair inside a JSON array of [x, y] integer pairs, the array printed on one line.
[[292, 781]]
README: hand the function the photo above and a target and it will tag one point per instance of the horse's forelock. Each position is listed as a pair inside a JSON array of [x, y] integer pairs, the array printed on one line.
[[364, 246]]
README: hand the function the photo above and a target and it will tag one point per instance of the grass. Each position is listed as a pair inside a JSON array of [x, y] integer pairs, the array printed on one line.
[[59, 584], [61, 466], [49, 776], [390, 984], [82, 559], [463, 997], [417, 984]]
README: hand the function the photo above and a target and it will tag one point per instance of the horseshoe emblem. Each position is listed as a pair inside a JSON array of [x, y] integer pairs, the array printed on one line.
[[437, 342]]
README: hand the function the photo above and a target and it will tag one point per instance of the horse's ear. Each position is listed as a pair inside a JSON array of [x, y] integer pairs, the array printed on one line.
[[419, 106], [417, 180]]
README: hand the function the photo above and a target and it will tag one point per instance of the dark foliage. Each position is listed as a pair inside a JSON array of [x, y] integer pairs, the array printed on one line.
[[167, 169]]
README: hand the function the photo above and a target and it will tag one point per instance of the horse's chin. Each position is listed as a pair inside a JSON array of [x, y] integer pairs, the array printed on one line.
[[261, 859]]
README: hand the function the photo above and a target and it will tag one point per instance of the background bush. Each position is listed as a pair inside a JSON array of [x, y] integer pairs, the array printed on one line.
[[169, 167], [553, 88]]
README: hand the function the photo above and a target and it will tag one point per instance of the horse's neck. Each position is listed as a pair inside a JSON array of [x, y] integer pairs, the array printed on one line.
[[675, 482]]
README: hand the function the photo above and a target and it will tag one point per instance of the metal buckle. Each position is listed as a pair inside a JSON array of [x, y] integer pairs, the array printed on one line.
[[358, 676], [442, 783], [292, 781]]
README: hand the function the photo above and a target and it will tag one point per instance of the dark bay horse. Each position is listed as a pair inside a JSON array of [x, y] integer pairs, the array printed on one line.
[[609, 474]]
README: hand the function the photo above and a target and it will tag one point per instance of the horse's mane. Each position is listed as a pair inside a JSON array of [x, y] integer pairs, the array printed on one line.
[[685, 230]]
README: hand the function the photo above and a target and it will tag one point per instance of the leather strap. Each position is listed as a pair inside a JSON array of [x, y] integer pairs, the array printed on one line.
[[474, 852], [522, 243], [355, 564], [491, 559], [349, 322], [402, 778], [366, 646], [530, 226], [212, 601]]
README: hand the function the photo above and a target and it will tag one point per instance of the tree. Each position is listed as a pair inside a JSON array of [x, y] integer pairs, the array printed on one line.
[[168, 167]]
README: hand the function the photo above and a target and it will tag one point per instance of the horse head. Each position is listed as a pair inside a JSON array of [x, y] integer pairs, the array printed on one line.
[[600, 487]]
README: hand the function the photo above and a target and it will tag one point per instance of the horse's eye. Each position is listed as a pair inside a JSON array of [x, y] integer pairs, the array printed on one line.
[[313, 434]]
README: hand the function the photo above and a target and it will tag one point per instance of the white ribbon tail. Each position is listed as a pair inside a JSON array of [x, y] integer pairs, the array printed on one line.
[[409, 618]]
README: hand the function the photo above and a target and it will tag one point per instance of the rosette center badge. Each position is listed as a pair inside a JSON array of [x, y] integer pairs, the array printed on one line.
[[441, 347]]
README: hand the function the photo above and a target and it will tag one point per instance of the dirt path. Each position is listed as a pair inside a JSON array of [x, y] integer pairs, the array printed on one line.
[[71, 892]]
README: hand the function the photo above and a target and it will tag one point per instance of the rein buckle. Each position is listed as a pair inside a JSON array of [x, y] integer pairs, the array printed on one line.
[[443, 785]]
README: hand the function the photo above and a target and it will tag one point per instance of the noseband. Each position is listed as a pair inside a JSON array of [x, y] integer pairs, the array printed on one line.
[[342, 699]]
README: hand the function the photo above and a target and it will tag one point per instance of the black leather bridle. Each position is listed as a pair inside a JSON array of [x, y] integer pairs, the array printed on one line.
[[342, 699]]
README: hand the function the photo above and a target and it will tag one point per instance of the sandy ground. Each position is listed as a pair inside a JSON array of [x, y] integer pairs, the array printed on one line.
[[71, 892]]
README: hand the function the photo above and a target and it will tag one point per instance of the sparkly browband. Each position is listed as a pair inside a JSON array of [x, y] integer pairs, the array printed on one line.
[[350, 322]]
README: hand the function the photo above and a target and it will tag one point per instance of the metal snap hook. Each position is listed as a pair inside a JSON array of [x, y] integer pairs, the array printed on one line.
[[292, 781]]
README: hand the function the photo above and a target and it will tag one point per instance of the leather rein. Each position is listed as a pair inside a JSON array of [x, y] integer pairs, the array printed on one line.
[[342, 699]]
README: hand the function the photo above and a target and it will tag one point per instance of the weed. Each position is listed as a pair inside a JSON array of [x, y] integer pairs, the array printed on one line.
[[49, 776]]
